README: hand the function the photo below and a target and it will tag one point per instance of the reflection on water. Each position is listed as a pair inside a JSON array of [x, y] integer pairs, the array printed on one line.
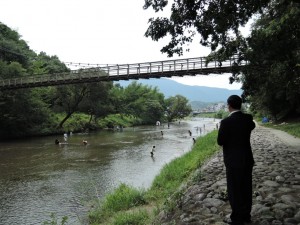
[[38, 178]]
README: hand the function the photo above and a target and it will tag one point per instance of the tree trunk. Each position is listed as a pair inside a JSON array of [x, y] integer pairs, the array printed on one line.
[[64, 120]]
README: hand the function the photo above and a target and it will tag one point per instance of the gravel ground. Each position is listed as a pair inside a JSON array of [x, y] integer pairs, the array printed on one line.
[[276, 186]]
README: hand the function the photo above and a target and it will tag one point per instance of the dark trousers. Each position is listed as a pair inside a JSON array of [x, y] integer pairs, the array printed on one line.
[[239, 187]]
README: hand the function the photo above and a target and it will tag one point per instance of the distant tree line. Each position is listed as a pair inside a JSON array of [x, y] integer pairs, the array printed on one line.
[[49, 110], [271, 81]]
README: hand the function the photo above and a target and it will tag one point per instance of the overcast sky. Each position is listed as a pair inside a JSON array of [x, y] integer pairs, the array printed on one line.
[[95, 31]]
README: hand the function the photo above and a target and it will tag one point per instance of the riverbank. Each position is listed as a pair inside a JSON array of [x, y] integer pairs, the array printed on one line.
[[276, 185], [127, 205], [201, 199]]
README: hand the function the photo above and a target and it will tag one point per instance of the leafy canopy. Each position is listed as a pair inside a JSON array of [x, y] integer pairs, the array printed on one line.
[[271, 81], [214, 20]]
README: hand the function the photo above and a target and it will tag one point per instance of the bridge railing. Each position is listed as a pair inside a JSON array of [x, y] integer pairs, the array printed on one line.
[[121, 71], [48, 78], [165, 66]]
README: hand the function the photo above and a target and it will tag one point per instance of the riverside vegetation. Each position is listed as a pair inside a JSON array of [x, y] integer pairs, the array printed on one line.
[[270, 81], [75, 107], [128, 205], [292, 128]]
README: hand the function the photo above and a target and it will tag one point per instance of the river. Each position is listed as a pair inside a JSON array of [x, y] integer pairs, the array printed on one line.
[[38, 178]]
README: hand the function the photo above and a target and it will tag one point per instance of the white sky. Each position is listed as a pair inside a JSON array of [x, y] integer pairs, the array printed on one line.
[[96, 31]]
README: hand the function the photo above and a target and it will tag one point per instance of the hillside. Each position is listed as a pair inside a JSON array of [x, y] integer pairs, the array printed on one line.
[[192, 93]]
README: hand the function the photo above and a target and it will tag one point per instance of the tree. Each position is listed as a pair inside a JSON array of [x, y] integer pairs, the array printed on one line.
[[177, 108], [97, 102], [68, 98], [271, 80], [216, 21], [139, 100], [43, 64], [22, 112], [13, 48]]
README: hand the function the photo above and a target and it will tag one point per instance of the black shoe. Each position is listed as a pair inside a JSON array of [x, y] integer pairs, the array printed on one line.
[[235, 223], [247, 220], [232, 222]]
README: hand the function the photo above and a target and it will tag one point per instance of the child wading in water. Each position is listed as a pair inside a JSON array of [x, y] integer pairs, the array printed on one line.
[[152, 151]]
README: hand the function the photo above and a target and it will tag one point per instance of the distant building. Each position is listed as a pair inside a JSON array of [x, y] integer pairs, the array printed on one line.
[[212, 108]]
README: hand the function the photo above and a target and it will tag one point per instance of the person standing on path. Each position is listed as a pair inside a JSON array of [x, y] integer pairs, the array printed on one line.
[[234, 136]]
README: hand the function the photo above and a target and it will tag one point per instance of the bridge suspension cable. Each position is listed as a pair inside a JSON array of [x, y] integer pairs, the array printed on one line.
[[76, 65], [116, 72]]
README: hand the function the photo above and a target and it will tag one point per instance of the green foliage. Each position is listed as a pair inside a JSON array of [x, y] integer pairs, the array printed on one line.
[[173, 174], [46, 64], [97, 102], [76, 123], [123, 198], [216, 21], [126, 204], [22, 113], [290, 128], [113, 120], [219, 114], [55, 220], [13, 69], [13, 48], [139, 100], [273, 80], [140, 217], [177, 108], [58, 109]]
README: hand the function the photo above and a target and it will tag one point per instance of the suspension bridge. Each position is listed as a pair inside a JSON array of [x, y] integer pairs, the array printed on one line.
[[145, 70]]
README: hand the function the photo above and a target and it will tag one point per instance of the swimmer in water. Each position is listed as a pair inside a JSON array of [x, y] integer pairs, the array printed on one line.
[[57, 142]]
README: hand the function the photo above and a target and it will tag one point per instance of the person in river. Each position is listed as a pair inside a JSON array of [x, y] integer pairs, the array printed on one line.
[[57, 142], [194, 140], [65, 137], [152, 151]]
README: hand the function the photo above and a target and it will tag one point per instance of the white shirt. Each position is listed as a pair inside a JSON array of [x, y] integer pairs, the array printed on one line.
[[233, 112]]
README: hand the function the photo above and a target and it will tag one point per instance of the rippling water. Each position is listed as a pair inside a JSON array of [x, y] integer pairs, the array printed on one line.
[[38, 178]]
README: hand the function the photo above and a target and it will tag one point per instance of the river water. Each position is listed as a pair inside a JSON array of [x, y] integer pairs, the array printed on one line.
[[38, 178]]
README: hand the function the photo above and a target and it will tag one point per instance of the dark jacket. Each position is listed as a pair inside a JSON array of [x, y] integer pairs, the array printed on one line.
[[234, 136]]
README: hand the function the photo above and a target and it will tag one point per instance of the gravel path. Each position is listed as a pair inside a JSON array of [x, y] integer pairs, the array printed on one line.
[[276, 186]]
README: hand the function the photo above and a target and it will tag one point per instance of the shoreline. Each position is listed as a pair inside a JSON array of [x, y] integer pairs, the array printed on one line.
[[276, 185]]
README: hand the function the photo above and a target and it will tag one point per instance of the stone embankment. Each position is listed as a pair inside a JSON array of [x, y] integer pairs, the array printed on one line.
[[276, 186]]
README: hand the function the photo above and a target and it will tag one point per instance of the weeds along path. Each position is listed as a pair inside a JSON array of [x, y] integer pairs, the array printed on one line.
[[276, 185]]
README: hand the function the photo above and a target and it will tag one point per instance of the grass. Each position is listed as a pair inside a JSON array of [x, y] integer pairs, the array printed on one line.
[[123, 198], [55, 220], [118, 120], [126, 205], [80, 121], [179, 170], [291, 128], [140, 217]]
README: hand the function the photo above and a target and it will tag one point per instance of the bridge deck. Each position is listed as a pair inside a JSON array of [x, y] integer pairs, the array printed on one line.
[[169, 68]]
